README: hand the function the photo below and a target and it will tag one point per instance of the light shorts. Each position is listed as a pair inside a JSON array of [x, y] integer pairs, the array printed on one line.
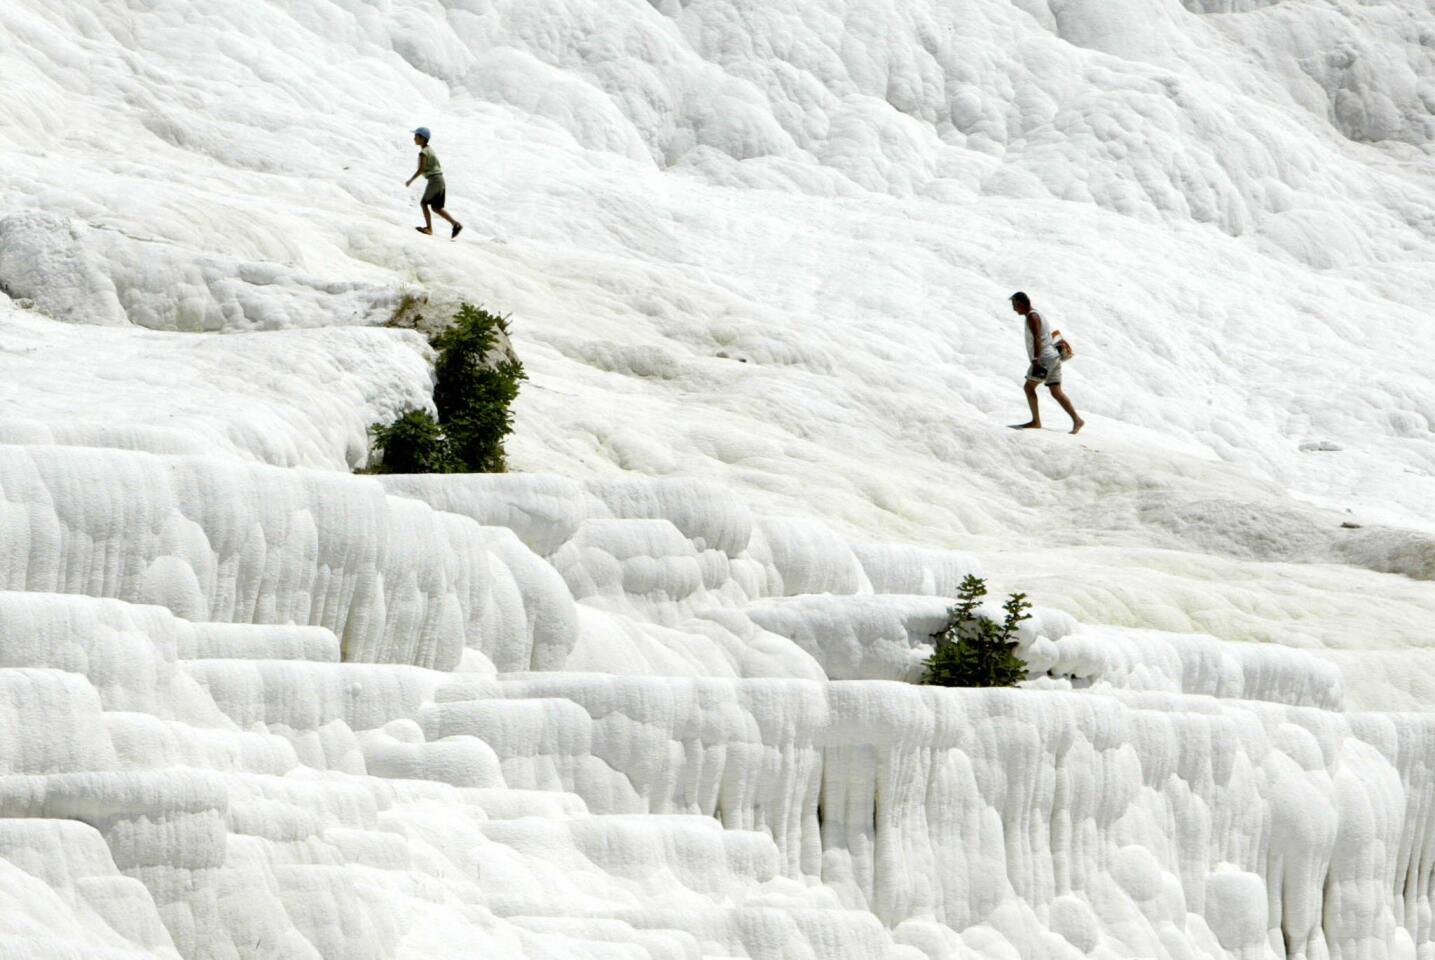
[[1048, 372]]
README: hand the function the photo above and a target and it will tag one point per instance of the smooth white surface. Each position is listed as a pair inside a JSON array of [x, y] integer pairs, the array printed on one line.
[[635, 699]]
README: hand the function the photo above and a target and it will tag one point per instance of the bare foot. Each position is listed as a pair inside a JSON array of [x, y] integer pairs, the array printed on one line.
[[1030, 425], [425, 231], [1076, 427]]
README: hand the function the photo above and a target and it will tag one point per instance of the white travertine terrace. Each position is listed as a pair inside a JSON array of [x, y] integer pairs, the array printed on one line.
[[649, 696], [207, 782]]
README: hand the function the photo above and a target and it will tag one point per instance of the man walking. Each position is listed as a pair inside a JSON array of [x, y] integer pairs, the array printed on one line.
[[1045, 364], [435, 188]]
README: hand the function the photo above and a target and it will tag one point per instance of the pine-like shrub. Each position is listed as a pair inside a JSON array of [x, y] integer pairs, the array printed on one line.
[[473, 392], [414, 443], [972, 650]]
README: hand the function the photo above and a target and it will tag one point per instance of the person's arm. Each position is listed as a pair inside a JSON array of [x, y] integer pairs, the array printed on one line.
[[417, 173], [1033, 323]]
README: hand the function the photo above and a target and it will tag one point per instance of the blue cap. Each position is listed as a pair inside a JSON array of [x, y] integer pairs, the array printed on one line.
[[423, 132]]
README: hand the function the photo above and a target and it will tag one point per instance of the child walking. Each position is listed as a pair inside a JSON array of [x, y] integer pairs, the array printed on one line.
[[435, 189]]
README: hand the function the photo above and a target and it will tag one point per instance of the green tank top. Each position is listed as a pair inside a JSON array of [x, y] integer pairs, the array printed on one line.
[[432, 168]]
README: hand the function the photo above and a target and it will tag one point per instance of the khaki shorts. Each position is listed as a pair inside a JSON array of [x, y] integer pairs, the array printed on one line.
[[1048, 373]]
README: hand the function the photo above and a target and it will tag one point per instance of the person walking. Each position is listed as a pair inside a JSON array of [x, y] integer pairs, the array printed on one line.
[[1045, 365], [435, 190]]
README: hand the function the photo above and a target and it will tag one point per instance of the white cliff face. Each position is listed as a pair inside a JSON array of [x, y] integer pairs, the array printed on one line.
[[199, 764], [649, 696]]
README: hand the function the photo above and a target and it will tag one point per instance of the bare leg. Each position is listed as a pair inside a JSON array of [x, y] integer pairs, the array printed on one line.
[[428, 220], [1035, 422], [1076, 422], [456, 225]]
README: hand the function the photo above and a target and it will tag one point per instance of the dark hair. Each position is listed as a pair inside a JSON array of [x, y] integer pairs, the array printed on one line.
[[1021, 299]]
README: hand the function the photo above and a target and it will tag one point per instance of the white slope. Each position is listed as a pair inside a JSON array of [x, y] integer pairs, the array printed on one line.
[[643, 697]]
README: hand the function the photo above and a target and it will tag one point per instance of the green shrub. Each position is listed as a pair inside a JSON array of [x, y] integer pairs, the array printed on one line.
[[414, 443], [974, 651], [473, 393]]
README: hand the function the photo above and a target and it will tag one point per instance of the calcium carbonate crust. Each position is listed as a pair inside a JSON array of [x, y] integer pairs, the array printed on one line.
[[651, 697]]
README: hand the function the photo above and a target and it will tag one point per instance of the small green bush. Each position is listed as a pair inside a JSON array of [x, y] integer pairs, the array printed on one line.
[[414, 443], [473, 397], [974, 651], [406, 313]]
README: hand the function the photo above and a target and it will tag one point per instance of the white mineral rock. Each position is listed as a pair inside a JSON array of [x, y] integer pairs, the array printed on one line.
[[649, 696]]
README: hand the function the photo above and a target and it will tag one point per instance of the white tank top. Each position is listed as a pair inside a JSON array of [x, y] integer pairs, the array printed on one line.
[[1047, 348]]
